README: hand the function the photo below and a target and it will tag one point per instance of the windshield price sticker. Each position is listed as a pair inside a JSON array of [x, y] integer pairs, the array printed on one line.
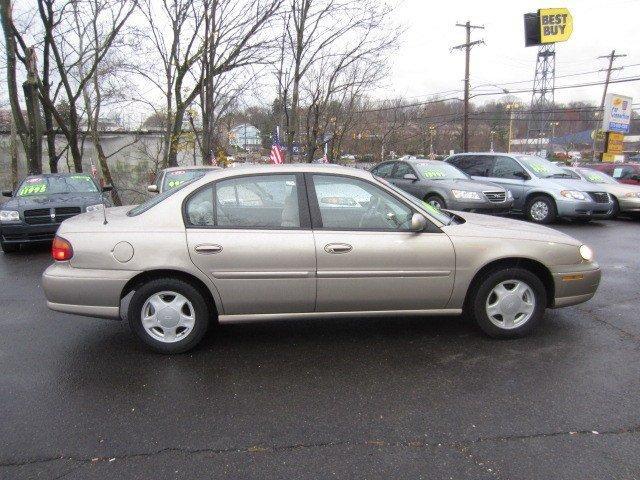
[[81, 177], [177, 172], [32, 189], [35, 180], [175, 183], [539, 168], [595, 178], [433, 173]]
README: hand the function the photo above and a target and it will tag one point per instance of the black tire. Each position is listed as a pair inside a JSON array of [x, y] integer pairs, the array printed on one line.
[[615, 210], [9, 247], [552, 211], [202, 314], [482, 291], [441, 203]]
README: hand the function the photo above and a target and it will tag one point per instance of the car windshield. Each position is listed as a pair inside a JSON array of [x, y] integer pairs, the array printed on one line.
[[175, 178], [439, 171], [594, 176], [443, 217], [156, 199], [542, 168], [52, 185]]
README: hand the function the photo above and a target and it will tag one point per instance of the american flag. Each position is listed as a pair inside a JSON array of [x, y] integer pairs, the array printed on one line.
[[277, 153]]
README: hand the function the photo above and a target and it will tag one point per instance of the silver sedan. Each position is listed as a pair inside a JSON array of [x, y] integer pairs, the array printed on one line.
[[303, 241]]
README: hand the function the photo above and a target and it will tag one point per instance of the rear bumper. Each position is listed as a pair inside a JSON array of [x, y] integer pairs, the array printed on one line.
[[24, 233], [79, 291], [575, 284]]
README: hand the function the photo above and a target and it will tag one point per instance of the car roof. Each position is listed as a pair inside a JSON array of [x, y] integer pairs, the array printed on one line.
[[61, 174], [193, 167]]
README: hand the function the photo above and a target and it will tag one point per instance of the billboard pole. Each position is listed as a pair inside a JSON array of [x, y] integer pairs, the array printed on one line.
[[612, 57]]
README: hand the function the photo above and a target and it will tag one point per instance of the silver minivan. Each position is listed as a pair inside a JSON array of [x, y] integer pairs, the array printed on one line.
[[541, 190]]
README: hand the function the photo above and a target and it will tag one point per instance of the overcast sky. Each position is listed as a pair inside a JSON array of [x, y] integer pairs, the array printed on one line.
[[425, 65]]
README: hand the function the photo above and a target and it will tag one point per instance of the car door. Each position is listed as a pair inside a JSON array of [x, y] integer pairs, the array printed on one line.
[[251, 236], [509, 174], [367, 258], [410, 186]]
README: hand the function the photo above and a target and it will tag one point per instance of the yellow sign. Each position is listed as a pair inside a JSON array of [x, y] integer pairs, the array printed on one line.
[[615, 143], [556, 25], [608, 157]]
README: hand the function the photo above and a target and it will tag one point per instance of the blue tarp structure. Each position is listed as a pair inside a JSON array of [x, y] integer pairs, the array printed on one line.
[[579, 138]]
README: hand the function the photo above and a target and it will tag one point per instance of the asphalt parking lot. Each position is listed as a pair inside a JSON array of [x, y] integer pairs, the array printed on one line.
[[382, 398]]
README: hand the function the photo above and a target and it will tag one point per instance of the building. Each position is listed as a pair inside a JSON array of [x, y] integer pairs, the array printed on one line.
[[245, 137]]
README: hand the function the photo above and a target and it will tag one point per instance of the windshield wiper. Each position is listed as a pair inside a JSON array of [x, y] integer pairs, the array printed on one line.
[[559, 175]]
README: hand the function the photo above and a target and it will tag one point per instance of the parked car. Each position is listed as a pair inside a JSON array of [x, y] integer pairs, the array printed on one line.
[[626, 198], [173, 177], [306, 241], [41, 203], [538, 186], [444, 186], [628, 173]]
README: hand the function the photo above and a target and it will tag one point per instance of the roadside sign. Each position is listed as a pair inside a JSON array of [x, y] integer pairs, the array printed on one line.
[[556, 25], [614, 143], [617, 113]]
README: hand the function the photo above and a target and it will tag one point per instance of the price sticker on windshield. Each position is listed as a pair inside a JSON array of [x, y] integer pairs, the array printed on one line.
[[433, 173], [539, 168], [175, 183], [595, 178], [33, 189]]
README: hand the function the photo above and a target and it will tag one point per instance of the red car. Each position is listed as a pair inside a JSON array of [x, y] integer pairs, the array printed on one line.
[[623, 172]]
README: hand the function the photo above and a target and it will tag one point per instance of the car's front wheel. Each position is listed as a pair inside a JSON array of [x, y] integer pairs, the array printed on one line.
[[508, 303], [9, 247], [541, 209], [436, 201], [169, 315]]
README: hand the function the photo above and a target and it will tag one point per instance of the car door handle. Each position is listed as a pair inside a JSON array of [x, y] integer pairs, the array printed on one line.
[[338, 248], [208, 249]]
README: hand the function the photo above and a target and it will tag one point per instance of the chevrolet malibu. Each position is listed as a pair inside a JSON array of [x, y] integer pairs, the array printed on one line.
[[303, 241]]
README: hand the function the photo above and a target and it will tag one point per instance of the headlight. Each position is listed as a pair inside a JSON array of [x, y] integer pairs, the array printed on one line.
[[573, 195], [586, 253], [464, 195], [95, 208], [509, 195], [9, 216], [632, 195]]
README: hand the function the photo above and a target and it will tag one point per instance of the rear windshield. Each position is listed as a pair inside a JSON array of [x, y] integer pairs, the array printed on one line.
[[175, 178], [439, 171], [155, 200], [53, 185]]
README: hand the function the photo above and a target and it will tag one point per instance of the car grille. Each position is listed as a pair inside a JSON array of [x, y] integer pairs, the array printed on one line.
[[599, 197], [42, 216], [496, 197]]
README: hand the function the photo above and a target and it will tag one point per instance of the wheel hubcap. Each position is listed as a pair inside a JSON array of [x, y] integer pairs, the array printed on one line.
[[168, 316], [510, 304], [539, 211], [435, 203]]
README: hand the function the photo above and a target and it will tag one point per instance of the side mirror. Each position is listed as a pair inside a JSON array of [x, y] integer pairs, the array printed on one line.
[[152, 188], [107, 188], [7, 193], [522, 175], [411, 177], [418, 223]]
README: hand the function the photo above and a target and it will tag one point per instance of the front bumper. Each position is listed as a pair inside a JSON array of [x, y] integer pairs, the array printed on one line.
[[24, 233], [481, 207], [582, 209], [575, 284], [631, 205], [88, 292]]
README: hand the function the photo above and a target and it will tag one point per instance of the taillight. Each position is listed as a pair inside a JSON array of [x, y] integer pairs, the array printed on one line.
[[61, 249]]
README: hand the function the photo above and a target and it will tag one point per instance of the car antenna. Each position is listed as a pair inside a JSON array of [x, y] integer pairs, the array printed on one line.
[[94, 172]]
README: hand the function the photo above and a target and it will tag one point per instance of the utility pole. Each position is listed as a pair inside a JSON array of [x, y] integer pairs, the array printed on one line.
[[467, 48], [511, 107], [612, 57]]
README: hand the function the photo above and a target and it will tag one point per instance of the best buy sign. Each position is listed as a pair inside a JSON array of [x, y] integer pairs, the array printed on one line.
[[556, 25]]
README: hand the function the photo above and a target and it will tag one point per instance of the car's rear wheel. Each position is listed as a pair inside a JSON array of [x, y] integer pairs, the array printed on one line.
[[541, 209], [9, 247], [615, 209], [436, 201], [508, 303], [169, 315]]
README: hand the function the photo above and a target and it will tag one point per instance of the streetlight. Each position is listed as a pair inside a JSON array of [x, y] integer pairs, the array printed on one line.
[[432, 134]]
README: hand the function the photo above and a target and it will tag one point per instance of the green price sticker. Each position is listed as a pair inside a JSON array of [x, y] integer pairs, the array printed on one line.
[[175, 183], [430, 208], [539, 168], [595, 178], [81, 177], [433, 173], [32, 189]]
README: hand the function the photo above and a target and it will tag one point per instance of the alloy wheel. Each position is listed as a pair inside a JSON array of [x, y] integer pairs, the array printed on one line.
[[539, 210]]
